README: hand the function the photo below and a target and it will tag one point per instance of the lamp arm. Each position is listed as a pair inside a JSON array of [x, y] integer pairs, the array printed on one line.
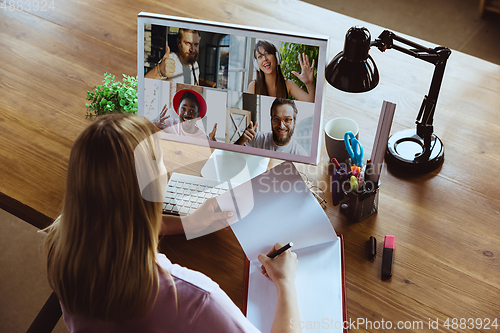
[[437, 56], [426, 114], [386, 41]]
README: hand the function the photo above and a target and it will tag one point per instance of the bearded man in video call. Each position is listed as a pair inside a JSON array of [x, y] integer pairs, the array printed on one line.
[[283, 121], [181, 66]]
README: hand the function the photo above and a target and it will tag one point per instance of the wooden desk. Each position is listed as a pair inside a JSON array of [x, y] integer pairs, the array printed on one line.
[[446, 223]]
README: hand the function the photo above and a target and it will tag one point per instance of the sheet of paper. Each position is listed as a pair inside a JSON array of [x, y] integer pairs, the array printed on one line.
[[277, 206], [319, 291]]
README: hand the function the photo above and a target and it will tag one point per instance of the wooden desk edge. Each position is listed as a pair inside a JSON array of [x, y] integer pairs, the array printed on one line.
[[24, 212]]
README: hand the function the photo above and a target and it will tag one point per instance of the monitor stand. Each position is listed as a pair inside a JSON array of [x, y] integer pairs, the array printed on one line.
[[227, 165]]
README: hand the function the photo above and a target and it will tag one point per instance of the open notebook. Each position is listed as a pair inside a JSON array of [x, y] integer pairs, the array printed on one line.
[[277, 206]]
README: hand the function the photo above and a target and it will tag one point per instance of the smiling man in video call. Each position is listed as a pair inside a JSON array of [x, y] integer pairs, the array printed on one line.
[[182, 66], [283, 121], [191, 107]]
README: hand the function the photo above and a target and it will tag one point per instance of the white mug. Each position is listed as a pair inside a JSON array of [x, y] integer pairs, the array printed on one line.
[[334, 137]]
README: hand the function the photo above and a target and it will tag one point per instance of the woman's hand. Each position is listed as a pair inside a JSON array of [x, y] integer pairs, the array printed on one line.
[[307, 74], [307, 77], [281, 269], [207, 214]]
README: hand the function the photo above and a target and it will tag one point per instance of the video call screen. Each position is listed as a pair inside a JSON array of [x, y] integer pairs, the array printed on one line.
[[237, 88]]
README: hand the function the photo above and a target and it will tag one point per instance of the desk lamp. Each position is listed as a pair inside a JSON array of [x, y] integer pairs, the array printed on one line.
[[353, 70]]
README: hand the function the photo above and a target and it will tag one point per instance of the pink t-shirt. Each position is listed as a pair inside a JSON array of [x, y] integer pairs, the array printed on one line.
[[203, 307]]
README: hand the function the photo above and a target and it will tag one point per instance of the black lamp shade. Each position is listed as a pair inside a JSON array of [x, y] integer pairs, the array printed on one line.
[[353, 70]]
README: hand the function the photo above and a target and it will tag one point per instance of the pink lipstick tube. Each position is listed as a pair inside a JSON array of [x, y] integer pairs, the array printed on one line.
[[388, 256]]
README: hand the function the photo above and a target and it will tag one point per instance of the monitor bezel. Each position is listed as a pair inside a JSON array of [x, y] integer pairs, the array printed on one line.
[[253, 32]]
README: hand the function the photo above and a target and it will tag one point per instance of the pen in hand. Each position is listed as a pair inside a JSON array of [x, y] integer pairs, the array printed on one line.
[[280, 251], [281, 269]]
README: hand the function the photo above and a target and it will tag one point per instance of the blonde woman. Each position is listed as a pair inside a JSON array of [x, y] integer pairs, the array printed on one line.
[[102, 257]]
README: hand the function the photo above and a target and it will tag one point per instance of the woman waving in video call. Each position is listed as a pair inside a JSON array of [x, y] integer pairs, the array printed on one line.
[[270, 80]]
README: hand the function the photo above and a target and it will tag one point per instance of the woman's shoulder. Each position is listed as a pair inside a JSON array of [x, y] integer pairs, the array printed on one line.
[[290, 85], [187, 277], [251, 87]]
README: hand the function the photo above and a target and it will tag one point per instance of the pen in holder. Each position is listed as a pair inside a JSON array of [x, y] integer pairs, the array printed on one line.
[[361, 202]]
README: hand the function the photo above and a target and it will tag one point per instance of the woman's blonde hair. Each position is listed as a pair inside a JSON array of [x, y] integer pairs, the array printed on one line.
[[101, 251]]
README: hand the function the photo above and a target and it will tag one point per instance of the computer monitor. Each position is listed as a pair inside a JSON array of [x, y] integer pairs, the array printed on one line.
[[213, 68]]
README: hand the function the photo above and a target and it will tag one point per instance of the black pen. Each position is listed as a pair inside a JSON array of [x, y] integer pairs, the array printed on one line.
[[368, 170], [280, 251]]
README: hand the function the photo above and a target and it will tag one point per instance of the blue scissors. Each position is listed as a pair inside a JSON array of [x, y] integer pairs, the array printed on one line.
[[354, 148]]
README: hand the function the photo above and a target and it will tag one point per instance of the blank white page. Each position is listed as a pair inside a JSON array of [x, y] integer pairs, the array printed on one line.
[[319, 291], [276, 207]]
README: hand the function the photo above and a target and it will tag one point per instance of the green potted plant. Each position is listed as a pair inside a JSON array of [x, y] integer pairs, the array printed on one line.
[[112, 96]]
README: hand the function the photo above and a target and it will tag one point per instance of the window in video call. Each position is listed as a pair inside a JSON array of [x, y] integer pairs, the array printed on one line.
[[220, 86]]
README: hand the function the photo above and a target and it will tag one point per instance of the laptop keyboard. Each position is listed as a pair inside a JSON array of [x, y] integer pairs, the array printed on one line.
[[185, 193]]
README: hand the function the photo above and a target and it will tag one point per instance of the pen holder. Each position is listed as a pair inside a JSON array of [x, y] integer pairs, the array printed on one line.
[[360, 204]]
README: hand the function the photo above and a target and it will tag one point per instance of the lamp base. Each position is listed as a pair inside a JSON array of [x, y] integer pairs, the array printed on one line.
[[405, 152]]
